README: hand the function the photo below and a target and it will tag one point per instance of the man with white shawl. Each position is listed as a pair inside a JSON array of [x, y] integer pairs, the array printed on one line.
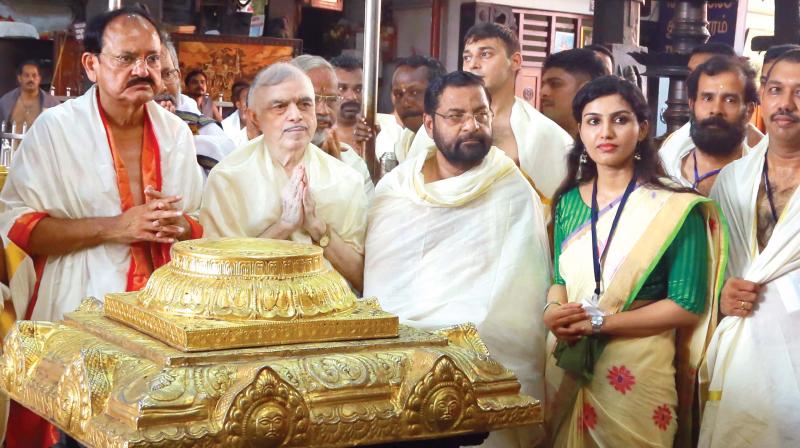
[[279, 185], [534, 142], [722, 98], [457, 235], [97, 191], [754, 357]]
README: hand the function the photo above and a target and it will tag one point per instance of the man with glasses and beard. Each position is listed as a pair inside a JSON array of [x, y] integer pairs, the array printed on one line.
[[464, 194], [102, 186], [722, 97], [327, 101]]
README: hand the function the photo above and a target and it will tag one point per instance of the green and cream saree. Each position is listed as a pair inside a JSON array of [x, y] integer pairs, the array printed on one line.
[[620, 392]]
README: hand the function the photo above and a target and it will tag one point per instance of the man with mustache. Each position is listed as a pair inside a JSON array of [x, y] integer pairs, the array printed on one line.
[[197, 88], [753, 357], [237, 120], [323, 78], [23, 104], [101, 186], [463, 194], [563, 74], [350, 75], [282, 186], [534, 142], [411, 77], [722, 97]]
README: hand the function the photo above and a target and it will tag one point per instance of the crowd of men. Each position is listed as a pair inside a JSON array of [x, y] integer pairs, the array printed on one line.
[[103, 184]]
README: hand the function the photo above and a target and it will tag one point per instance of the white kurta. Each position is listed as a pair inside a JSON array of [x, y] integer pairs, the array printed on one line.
[[472, 248], [243, 195], [679, 144], [232, 124], [390, 133], [541, 143], [354, 161], [754, 362], [64, 167]]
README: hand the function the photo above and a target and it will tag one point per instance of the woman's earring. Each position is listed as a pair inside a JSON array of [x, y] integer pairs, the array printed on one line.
[[637, 156], [582, 162]]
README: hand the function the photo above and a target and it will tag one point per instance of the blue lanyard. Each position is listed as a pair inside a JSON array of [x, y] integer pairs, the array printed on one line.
[[596, 256], [768, 189], [697, 177]]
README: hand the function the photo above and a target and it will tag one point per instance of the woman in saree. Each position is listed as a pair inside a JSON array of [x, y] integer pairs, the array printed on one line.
[[638, 264]]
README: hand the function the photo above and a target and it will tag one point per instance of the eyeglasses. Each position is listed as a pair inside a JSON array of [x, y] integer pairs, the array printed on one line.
[[329, 100], [458, 118], [413, 93], [129, 60], [170, 75]]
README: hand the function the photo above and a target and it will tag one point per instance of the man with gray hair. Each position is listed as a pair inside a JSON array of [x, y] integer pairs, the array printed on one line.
[[327, 99], [282, 186]]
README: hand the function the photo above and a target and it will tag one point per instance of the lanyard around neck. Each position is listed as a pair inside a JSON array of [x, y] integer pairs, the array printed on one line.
[[768, 189], [597, 257], [697, 177]]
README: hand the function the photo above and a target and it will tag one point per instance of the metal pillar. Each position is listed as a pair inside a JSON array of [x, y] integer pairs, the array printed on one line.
[[369, 107]]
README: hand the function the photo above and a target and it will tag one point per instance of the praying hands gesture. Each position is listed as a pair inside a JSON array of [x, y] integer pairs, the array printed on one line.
[[299, 209], [157, 220]]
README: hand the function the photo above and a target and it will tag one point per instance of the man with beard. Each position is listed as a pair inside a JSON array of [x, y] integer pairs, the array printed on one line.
[[323, 78], [534, 142], [722, 96], [464, 194], [197, 88], [563, 74], [410, 79], [23, 104], [281, 186], [350, 74], [211, 142], [102, 185], [753, 396]]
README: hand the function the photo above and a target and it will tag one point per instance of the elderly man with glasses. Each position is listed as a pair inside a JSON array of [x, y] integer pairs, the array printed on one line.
[[456, 234], [327, 102], [282, 186], [103, 184]]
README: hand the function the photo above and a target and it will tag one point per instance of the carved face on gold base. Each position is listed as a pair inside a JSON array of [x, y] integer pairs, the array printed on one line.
[[444, 407], [269, 424]]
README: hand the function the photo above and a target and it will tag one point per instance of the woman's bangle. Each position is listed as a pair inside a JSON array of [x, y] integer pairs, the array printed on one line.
[[547, 305]]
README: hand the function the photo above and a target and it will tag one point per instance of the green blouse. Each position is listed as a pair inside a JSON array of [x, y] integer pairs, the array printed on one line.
[[680, 275]]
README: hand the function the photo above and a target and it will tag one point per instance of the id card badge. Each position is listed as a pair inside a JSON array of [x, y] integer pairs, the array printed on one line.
[[592, 306]]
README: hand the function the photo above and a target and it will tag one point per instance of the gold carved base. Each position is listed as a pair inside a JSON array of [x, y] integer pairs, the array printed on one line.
[[364, 321], [108, 385]]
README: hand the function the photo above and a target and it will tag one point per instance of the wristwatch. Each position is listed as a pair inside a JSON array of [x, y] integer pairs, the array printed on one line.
[[597, 323], [325, 239]]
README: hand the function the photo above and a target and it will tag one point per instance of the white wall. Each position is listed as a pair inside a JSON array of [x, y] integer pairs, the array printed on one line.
[[574, 6]]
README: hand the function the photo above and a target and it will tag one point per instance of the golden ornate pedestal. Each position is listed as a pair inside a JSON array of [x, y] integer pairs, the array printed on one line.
[[201, 358]]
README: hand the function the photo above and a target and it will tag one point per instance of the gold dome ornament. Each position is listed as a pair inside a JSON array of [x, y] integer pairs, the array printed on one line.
[[254, 343], [241, 292]]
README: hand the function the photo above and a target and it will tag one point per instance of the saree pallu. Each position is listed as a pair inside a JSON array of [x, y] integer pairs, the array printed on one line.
[[642, 390]]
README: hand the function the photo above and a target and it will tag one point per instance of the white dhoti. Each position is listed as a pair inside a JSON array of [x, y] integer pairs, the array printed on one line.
[[65, 169], [753, 363], [472, 248]]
